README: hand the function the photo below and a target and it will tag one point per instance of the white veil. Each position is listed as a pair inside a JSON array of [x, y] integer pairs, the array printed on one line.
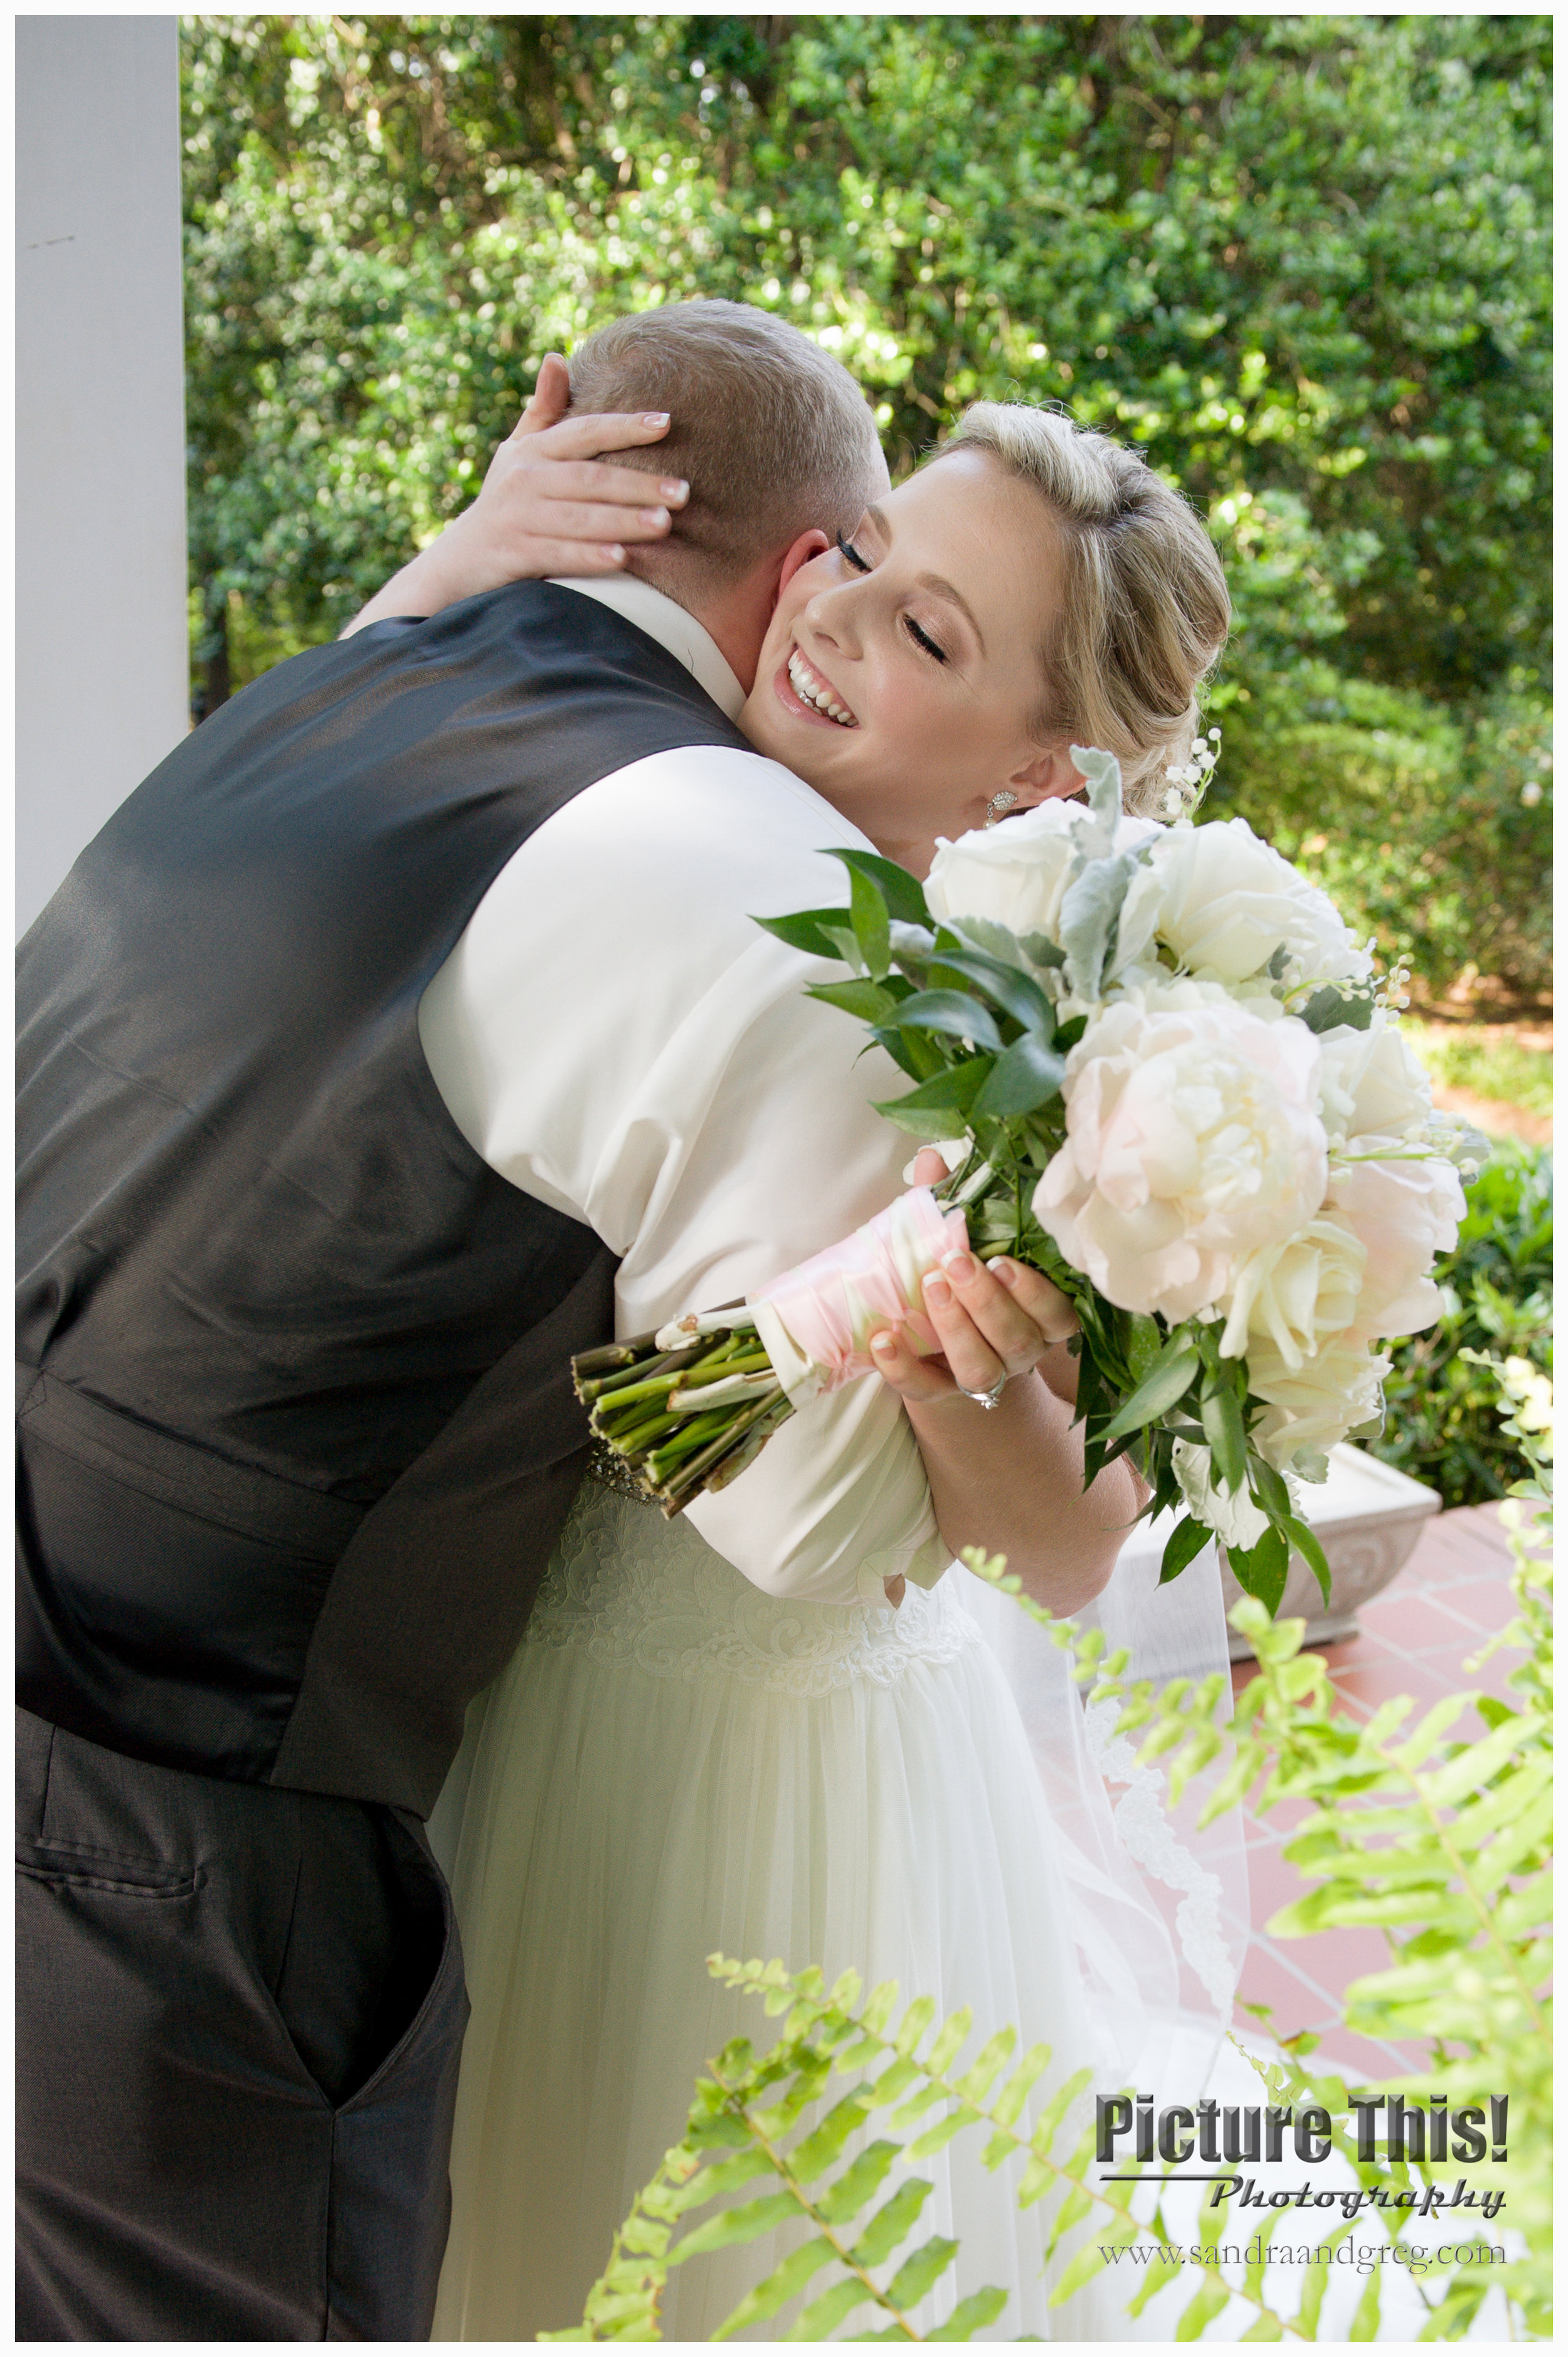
[[1163, 1908]]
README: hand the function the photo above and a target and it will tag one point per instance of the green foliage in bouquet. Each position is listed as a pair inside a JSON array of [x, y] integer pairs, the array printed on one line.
[[1443, 1845], [959, 1005], [1441, 1424]]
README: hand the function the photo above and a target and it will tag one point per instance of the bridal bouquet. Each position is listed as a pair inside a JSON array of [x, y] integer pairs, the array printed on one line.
[[1162, 1073]]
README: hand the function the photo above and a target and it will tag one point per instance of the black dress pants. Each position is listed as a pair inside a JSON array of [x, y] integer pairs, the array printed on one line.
[[240, 2015]]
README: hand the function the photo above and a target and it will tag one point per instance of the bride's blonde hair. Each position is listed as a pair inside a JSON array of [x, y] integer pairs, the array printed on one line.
[[1144, 611]]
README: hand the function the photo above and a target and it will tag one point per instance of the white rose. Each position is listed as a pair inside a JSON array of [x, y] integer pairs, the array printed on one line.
[[1228, 902], [1312, 1406], [1193, 1139], [1228, 1513], [1014, 874], [1372, 1081], [1294, 1293], [1405, 1209]]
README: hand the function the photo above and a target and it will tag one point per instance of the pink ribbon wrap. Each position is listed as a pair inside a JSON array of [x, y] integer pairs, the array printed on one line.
[[816, 1320]]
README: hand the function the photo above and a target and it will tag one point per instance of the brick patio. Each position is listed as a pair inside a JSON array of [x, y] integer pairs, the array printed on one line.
[[1414, 1639]]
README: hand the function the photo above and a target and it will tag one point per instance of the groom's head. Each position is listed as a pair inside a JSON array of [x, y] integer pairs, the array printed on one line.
[[774, 436]]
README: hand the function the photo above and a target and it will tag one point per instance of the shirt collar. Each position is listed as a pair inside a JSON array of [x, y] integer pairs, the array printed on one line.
[[678, 632]]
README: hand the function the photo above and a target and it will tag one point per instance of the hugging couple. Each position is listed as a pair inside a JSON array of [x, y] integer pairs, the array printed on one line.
[[406, 1031]]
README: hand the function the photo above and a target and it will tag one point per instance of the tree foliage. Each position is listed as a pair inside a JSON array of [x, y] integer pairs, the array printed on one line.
[[1301, 261]]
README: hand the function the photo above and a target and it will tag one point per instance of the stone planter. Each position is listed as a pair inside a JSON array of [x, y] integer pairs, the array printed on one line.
[[1367, 1518]]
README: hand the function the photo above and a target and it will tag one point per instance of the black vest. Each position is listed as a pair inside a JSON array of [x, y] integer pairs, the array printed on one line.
[[296, 1435]]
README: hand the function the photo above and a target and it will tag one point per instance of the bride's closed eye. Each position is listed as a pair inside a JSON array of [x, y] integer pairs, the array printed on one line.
[[926, 644]]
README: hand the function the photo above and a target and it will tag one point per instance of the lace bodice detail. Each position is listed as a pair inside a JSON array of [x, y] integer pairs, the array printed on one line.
[[627, 1586]]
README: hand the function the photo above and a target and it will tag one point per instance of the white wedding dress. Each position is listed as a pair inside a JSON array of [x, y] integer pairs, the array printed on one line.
[[676, 1763]]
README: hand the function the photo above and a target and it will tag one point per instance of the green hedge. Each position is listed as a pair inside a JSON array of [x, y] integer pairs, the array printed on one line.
[[1442, 1410]]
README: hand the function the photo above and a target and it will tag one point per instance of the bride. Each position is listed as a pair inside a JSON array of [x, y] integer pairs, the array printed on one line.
[[676, 1762]]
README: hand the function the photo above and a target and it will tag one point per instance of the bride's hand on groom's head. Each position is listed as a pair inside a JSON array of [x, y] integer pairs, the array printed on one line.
[[993, 1323], [549, 506]]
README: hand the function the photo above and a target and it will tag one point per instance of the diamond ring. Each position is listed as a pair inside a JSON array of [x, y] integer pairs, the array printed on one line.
[[990, 1398]]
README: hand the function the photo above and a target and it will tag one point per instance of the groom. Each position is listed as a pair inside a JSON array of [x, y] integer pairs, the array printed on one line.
[[295, 1434]]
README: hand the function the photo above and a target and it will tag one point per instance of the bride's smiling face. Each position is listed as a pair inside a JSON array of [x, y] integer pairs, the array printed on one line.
[[901, 670]]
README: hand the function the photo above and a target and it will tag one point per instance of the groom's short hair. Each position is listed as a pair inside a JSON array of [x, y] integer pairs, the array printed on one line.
[[773, 435]]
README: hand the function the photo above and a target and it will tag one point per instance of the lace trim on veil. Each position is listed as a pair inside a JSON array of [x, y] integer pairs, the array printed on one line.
[[1143, 1847], [1150, 1840]]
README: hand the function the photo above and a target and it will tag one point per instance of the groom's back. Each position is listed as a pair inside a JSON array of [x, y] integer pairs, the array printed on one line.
[[261, 1268]]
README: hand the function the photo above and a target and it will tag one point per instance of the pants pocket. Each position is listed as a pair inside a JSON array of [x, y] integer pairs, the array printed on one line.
[[74, 1867], [81, 1824], [392, 2145], [423, 1992], [365, 1944]]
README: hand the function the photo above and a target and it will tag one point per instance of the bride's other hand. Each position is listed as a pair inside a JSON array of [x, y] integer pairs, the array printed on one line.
[[1009, 1478], [993, 1323], [986, 1333], [547, 506]]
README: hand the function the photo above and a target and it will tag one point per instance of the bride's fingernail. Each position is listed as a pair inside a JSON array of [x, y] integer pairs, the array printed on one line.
[[960, 1267], [1005, 1270], [616, 552], [656, 417], [674, 491], [658, 517], [882, 1345], [939, 1290]]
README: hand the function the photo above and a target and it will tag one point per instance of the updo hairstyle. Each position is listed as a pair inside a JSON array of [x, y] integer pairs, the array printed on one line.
[[1144, 607]]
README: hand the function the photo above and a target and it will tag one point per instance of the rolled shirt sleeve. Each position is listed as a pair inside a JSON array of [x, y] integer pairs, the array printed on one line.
[[617, 1038]]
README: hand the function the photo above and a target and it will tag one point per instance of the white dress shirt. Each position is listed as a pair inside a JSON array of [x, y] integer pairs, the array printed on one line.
[[616, 1035]]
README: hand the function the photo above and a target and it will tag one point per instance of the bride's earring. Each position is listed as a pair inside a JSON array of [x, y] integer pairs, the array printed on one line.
[[999, 805]]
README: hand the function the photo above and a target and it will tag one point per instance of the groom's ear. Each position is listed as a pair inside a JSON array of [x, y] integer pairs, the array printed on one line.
[[799, 552], [550, 400], [1049, 775]]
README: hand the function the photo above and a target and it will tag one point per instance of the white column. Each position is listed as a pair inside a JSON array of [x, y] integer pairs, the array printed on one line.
[[102, 655]]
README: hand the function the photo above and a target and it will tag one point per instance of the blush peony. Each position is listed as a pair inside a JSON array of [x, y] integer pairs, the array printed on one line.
[[1192, 1140], [1405, 1210]]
